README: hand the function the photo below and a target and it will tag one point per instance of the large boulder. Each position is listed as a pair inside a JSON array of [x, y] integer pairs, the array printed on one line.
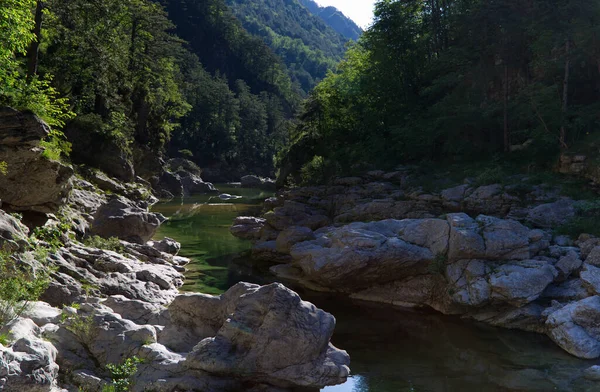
[[574, 327], [28, 362], [276, 338], [13, 235], [249, 338], [95, 148], [359, 255], [122, 218], [194, 185], [522, 282], [32, 182], [491, 238], [552, 215], [247, 227], [154, 279]]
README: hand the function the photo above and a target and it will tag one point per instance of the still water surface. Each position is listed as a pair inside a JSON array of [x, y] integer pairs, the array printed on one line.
[[392, 350]]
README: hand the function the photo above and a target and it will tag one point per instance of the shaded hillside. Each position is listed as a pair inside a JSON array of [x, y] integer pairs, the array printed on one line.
[[307, 45], [240, 109], [334, 19]]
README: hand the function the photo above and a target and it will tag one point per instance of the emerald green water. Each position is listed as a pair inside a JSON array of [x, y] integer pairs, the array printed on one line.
[[201, 224], [392, 350]]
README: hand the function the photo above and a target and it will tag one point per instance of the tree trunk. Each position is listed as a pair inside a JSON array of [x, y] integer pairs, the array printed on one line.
[[506, 135], [565, 103], [34, 47], [134, 28]]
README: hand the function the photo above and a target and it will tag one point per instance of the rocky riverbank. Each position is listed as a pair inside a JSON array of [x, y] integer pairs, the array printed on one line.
[[487, 252], [112, 293]]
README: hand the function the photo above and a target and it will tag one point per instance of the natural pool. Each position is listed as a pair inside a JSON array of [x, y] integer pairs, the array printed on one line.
[[201, 224], [392, 350]]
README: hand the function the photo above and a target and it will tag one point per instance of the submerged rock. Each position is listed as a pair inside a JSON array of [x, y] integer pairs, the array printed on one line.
[[252, 181]]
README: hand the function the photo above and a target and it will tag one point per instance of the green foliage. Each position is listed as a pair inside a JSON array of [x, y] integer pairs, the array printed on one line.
[[80, 326], [318, 171], [5, 339], [3, 168], [119, 63], [456, 81], [586, 221], [493, 175], [16, 20], [17, 215], [55, 146], [240, 94], [306, 44], [112, 244], [186, 153], [52, 235], [34, 93], [19, 286], [122, 374]]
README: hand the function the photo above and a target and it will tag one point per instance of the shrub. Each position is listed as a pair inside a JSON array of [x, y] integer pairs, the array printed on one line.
[[121, 375], [80, 326], [19, 285], [53, 236], [55, 146], [318, 171], [185, 153], [111, 243], [587, 220]]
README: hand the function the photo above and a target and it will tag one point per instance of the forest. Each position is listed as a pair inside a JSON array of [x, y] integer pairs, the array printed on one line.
[[455, 81], [250, 85], [171, 78]]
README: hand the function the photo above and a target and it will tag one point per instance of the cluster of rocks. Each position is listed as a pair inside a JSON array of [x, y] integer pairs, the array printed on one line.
[[104, 306], [250, 338], [579, 165], [489, 267], [173, 178], [181, 177], [252, 181]]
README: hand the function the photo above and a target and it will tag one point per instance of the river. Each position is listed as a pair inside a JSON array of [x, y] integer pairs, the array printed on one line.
[[392, 350]]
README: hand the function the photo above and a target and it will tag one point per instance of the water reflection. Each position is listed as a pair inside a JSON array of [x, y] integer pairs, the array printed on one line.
[[201, 224], [396, 350]]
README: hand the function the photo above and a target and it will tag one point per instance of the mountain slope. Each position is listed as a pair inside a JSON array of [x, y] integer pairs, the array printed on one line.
[[307, 45], [334, 19], [241, 97]]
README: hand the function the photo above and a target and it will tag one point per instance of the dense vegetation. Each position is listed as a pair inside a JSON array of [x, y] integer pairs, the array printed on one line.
[[165, 77], [241, 97], [455, 80], [304, 42]]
